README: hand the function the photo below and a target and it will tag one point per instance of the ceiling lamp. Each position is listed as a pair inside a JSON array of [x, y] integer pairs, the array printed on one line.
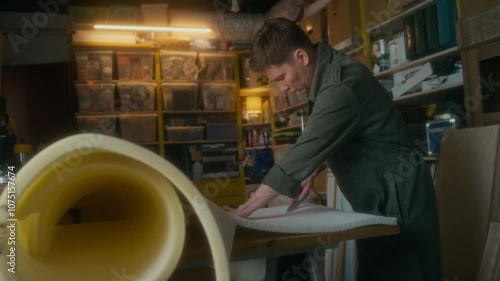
[[152, 28]]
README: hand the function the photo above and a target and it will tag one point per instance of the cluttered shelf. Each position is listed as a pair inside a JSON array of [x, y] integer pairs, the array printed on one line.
[[430, 158], [255, 91], [201, 141], [255, 125], [292, 107], [93, 45], [288, 128], [106, 113], [114, 81], [255, 148], [197, 112], [354, 51], [445, 53], [395, 23], [413, 97]]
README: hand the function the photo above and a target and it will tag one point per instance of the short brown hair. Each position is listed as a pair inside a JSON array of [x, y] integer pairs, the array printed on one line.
[[274, 43]]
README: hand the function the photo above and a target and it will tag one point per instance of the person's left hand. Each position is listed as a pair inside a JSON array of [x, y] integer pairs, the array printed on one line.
[[238, 213], [262, 196]]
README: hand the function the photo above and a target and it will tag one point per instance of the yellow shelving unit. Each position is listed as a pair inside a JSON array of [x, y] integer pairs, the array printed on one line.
[[221, 190]]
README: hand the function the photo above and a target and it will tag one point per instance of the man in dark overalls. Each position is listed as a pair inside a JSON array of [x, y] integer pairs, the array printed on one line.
[[356, 129]]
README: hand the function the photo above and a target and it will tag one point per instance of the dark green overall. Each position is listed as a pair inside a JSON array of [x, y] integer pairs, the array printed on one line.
[[355, 127]]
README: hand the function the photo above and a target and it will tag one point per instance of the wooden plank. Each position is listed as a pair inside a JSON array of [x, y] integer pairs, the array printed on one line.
[[490, 264], [394, 23], [250, 242], [465, 186], [453, 51], [472, 100], [2, 39]]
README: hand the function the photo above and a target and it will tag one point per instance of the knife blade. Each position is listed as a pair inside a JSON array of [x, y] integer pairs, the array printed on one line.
[[295, 204]]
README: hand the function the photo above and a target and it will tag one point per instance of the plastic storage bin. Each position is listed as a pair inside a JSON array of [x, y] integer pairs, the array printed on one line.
[[139, 128], [135, 65], [136, 96], [180, 96], [124, 15], [95, 97], [178, 65], [216, 67], [102, 124], [218, 96], [222, 131], [184, 133], [96, 65]]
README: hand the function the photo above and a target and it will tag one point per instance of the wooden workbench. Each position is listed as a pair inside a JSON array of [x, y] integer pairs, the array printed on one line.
[[252, 244]]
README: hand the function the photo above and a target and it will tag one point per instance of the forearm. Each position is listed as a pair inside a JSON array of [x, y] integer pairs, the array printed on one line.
[[320, 169], [262, 196]]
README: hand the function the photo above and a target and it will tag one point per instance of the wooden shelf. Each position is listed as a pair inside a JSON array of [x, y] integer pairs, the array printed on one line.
[[198, 112], [114, 113], [262, 91], [430, 158], [114, 81], [256, 125], [419, 96], [355, 51], [445, 53], [94, 45], [288, 128], [148, 143], [256, 148], [197, 81], [395, 23], [293, 107], [199, 141]]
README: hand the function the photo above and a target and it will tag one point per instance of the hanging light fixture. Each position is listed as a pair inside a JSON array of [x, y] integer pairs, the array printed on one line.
[[152, 28]]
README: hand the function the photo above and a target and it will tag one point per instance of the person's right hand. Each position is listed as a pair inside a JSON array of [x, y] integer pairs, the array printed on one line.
[[305, 188]]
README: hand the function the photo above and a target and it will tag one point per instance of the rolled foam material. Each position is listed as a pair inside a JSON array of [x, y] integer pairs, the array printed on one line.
[[131, 220]]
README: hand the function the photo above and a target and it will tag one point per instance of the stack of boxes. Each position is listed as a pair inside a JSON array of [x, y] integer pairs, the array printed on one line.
[[101, 106], [197, 90], [197, 82]]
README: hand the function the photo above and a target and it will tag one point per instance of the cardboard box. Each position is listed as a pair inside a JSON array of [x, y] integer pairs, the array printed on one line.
[[154, 14], [474, 8], [313, 26], [407, 79], [344, 23]]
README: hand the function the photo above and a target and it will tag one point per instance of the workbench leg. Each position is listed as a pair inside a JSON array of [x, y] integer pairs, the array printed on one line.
[[271, 269], [318, 271]]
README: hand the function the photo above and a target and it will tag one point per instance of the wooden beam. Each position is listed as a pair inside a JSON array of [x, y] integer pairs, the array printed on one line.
[[490, 264], [2, 39], [250, 242]]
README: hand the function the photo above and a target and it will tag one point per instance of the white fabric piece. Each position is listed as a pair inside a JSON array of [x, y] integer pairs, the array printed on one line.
[[309, 218]]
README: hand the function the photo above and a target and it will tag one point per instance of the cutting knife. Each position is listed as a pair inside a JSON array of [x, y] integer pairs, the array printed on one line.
[[295, 204]]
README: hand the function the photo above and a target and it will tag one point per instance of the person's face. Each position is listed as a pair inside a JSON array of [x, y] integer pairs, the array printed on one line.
[[292, 76]]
